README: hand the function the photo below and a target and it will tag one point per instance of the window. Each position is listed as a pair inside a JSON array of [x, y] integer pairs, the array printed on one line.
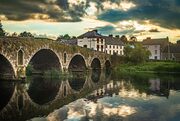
[[65, 56], [117, 46], [155, 51], [155, 57], [109, 46], [101, 47], [113, 46], [97, 47], [101, 40], [85, 46], [20, 57], [155, 46], [97, 40], [120, 47], [120, 52], [109, 51]]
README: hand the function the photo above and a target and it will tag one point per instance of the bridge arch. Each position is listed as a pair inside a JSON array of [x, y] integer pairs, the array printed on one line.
[[77, 63], [6, 68], [95, 64], [45, 59]]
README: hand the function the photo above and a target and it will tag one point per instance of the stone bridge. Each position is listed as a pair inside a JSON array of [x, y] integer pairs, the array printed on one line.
[[16, 54]]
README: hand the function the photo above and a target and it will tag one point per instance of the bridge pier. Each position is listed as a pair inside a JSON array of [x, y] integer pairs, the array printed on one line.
[[21, 72]]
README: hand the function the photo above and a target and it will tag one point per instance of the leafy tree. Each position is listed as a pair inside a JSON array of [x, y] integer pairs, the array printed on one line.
[[136, 54], [124, 39], [132, 40], [66, 36], [2, 32], [25, 34], [178, 42], [127, 51]]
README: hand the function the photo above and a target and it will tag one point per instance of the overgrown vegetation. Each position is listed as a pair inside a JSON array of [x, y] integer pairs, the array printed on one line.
[[136, 54], [150, 67]]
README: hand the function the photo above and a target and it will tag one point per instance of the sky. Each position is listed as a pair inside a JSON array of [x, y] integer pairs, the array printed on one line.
[[140, 18]]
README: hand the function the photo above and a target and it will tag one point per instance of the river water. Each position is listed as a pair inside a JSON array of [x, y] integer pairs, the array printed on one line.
[[94, 96]]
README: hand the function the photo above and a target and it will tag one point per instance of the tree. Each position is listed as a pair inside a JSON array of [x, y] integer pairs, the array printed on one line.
[[138, 54], [65, 37], [25, 34], [2, 32], [127, 51], [132, 40], [178, 42], [124, 39]]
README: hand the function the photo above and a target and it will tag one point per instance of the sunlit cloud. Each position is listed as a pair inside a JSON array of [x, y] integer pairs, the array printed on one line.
[[122, 5]]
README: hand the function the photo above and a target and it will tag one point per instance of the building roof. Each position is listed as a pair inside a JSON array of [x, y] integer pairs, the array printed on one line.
[[159, 41], [69, 41], [90, 34], [173, 48], [113, 41]]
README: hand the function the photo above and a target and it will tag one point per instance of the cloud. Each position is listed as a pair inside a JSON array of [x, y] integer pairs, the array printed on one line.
[[51, 10], [154, 30], [109, 29], [165, 13]]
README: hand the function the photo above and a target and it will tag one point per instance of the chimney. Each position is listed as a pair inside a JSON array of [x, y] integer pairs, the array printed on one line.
[[95, 30], [117, 36], [110, 35]]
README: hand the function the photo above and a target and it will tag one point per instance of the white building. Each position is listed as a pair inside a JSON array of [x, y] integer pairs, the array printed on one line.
[[156, 47], [95, 41], [92, 40], [114, 46]]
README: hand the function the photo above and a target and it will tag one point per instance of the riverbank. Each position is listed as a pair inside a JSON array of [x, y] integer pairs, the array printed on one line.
[[149, 67]]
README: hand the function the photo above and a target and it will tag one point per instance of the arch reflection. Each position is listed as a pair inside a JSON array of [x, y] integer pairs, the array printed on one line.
[[6, 92], [43, 90], [77, 81]]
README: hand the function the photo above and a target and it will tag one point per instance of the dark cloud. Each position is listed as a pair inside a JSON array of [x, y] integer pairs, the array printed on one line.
[[112, 30], [58, 10], [165, 13], [154, 30]]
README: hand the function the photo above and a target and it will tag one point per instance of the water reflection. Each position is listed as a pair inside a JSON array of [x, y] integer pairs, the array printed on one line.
[[77, 81], [121, 97], [96, 75], [6, 92], [43, 90]]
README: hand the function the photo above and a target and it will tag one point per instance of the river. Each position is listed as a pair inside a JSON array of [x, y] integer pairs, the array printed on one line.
[[92, 96]]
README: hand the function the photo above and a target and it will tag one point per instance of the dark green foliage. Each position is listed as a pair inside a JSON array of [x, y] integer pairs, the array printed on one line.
[[2, 32], [29, 69], [66, 37], [25, 34], [136, 54], [151, 67]]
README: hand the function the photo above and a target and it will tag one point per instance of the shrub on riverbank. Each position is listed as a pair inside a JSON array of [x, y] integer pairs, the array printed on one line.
[[151, 67]]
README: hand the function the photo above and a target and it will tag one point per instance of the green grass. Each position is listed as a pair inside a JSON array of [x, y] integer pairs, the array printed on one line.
[[150, 67]]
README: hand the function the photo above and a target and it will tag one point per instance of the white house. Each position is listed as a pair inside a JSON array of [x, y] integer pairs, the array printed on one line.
[[114, 46], [156, 47], [92, 40], [95, 41]]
